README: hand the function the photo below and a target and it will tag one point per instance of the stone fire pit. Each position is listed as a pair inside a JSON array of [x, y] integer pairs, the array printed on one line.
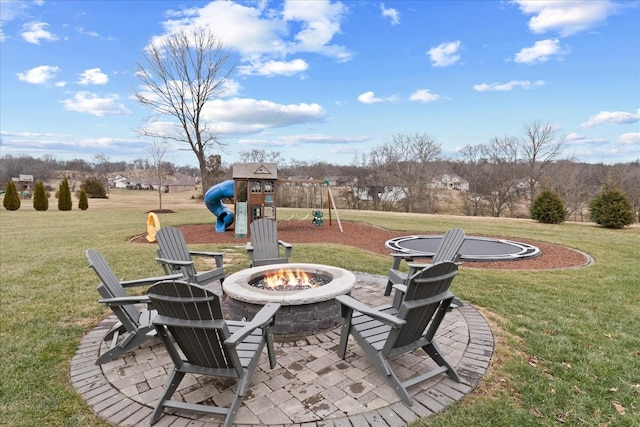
[[302, 312]]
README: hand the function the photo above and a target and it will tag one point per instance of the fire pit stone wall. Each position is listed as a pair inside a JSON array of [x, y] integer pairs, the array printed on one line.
[[302, 312]]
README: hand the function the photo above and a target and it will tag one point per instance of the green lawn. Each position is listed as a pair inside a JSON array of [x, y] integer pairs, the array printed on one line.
[[569, 346]]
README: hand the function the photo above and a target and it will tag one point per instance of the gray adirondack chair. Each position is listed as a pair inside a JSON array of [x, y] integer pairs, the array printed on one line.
[[199, 340], [384, 332], [175, 257], [447, 250], [264, 247], [134, 324]]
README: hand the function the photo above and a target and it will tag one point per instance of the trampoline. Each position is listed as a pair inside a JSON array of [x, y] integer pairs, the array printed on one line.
[[473, 248]]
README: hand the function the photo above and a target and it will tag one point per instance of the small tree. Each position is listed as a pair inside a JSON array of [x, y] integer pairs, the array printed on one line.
[[548, 207], [40, 198], [611, 208], [11, 200], [94, 188], [83, 203], [64, 196]]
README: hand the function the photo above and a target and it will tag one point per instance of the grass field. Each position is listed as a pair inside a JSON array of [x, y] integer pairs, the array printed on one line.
[[568, 342]]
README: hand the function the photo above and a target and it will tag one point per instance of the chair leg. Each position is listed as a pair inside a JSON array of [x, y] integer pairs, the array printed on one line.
[[172, 386], [392, 379], [347, 314], [434, 352]]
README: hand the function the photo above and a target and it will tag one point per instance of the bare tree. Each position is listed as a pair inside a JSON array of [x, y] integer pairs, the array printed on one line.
[[158, 150], [180, 74], [257, 155], [370, 177], [407, 158], [540, 146], [502, 173], [472, 160]]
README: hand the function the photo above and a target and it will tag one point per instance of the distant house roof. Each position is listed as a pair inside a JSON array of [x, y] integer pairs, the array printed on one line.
[[23, 178], [255, 170]]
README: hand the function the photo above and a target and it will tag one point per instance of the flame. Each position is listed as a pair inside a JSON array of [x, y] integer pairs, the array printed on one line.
[[286, 277]]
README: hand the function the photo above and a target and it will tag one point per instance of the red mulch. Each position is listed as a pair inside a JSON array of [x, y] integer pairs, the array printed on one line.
[[372, 238]]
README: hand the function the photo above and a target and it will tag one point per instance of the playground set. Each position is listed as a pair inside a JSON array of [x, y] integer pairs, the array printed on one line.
[[253, 189]]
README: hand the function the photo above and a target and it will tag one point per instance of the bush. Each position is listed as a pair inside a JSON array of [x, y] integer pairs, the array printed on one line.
[[611, 208], [94, 188], [83, 203], [11, 200], [40, 197], [548, 207], [64, 196]]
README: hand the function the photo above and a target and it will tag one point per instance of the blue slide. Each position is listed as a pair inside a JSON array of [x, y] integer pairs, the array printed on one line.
[[213, 197]]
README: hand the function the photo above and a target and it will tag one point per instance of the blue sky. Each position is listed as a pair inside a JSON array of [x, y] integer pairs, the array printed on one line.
[[326, 80]]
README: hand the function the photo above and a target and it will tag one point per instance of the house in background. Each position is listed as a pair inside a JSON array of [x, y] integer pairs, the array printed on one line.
[[449, 181], [23, 182]]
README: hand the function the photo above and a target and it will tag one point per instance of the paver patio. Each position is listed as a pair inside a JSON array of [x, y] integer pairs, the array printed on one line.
[[310, 385]]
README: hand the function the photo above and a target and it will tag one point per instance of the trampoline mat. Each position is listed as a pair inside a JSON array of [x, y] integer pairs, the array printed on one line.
[[473, 248]]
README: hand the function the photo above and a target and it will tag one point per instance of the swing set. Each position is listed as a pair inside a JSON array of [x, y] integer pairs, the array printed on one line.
[[310, 188]]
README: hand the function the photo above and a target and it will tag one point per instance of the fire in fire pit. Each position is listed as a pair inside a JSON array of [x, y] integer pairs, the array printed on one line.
[[286, 279]]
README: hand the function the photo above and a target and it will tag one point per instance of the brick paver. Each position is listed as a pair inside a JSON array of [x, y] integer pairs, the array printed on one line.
[[310, 386]]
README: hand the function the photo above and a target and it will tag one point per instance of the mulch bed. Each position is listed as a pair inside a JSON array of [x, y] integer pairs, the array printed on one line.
[[371, 238]]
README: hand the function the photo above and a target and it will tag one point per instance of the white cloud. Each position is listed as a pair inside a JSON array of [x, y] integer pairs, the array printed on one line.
[[33, 32], [369, 98], [39, 75], [274, 68], [87, 102], [445, 54], [264, 37], [566, 17], [541, 51], [230, 87], [503, 87], [391, 13], [304, 139], [93, 76], [611, 118], [246, 116], [424, 95], [630, 138]]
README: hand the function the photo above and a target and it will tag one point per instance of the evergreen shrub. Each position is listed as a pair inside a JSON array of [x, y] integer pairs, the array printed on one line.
[[11, 200], [548, 207], [83, 203], [611, 208], [40, 197], [94, 188], [64, 196]]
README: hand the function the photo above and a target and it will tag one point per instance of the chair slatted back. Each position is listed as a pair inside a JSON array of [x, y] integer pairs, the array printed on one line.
[[110, 287], [264, 239], [449, 247], [416, 308], [173, 246], [196, 324]]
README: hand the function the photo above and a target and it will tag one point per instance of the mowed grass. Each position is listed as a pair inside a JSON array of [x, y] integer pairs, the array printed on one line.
[[568, 342]]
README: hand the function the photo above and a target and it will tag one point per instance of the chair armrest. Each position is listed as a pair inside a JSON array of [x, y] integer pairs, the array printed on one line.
[[400, 288], [249, 249], [399, 257], [428, 301], [262, 318], [287, 247], [198, 324], [285, 244], [217, 255], [174, 262], [371, 312], [149, 280], [113, 302]]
